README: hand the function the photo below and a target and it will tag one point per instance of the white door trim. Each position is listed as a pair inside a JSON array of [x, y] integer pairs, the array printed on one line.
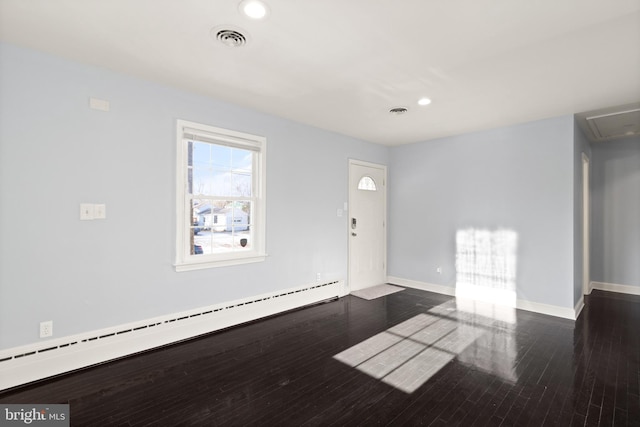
[[586, 218], [351, 190]]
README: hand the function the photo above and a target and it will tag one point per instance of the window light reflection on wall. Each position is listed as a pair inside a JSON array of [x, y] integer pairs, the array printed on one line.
[[486, 265]]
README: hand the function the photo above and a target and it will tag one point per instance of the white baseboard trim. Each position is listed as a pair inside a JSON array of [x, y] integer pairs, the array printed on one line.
[[613, 287], [551, 310], [424, 286], [578, 308], [25, 364], [548, 309]]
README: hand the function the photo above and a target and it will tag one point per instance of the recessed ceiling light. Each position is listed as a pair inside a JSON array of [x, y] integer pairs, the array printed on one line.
[[254, 9], [424, 101]]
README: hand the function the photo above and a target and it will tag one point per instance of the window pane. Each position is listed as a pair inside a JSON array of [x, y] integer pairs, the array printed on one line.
[[197, 233], [242, 241], [241, 186], [202, 181], [367, 183], [201, 244], [242, 160], [242, 225], [201, 155], [198, 211], [222, 183], [221, 156], [241, 215]]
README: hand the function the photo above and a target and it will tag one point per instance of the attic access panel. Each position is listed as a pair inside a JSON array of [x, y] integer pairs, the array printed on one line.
[[615, 125]]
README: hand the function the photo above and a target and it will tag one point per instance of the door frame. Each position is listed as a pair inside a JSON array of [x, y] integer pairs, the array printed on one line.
[[351, 191], [586, 222]]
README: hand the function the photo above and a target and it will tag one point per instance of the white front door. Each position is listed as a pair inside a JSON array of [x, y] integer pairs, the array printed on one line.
[[367, 224]]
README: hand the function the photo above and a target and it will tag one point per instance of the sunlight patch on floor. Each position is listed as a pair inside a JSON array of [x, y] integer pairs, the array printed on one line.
[[408, 354]]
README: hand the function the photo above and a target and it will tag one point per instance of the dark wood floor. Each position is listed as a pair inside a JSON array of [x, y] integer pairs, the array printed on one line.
[[529, 369]]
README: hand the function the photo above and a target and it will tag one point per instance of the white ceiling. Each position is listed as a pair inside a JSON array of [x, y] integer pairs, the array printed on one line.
[[342, 64]]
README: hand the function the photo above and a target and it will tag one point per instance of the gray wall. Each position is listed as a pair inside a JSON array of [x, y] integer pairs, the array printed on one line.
[[519, 178], [615, 207], [56, 153], [581, 145]]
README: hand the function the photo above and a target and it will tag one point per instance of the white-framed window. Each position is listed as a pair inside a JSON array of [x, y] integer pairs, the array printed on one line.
[[220, 197]]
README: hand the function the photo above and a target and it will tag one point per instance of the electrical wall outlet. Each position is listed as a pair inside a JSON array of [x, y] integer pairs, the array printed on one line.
[[318, 277], [86, 212], [46, 329]]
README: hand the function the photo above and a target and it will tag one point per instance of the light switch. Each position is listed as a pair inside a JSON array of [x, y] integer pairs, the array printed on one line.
[[339, 212], [86, 211], [100, 211], [98, 104]]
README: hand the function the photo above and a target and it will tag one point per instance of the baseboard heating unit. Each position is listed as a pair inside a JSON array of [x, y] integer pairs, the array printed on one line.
[[22, 365]]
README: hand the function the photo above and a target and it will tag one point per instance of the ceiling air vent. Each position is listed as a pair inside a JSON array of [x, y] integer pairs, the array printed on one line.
[[231, 38], [398, 110]]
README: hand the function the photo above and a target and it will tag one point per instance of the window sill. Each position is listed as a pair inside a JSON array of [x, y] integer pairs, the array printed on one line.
[[200, 265]]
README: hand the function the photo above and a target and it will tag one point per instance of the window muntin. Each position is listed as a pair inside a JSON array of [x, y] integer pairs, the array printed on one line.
[[220, 196]]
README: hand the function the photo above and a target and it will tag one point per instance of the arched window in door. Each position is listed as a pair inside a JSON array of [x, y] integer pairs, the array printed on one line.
[[367, 183]]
